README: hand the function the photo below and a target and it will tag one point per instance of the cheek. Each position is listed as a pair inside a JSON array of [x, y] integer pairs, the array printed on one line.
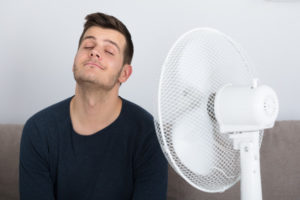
[[118, 63], [78, 58], [111, 63]]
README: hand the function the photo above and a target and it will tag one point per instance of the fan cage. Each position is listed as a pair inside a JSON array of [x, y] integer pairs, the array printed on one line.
[[199, 63]]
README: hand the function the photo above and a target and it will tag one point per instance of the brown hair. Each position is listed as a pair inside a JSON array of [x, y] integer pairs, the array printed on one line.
[[110, 22]]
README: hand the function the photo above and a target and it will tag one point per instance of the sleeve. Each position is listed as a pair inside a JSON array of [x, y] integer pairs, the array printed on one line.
[[34, 177], [150, 170]]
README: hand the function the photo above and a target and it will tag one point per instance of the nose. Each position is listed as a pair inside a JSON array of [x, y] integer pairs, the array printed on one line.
[[96, 54]]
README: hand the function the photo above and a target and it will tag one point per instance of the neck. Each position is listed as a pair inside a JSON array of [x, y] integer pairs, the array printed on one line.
[[93, 110]]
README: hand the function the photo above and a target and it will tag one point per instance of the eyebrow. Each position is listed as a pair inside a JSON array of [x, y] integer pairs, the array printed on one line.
[[106, 40]]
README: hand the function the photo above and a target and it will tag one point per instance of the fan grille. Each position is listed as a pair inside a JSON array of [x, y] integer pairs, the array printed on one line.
[[198, 64]]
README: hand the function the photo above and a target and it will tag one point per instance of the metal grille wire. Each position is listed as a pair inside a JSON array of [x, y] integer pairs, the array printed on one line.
[[198, 64]]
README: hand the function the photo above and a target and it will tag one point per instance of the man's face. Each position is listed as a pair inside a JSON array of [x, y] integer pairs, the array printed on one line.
[[99, 59]]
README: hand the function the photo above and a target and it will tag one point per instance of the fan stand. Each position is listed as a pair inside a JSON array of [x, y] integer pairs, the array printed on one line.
[[248, 144]]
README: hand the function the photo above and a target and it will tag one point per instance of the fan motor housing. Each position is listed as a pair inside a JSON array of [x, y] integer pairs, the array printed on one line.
[[245, 108]]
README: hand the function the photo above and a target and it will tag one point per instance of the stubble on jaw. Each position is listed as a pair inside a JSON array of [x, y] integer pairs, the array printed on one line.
[[90, 83]]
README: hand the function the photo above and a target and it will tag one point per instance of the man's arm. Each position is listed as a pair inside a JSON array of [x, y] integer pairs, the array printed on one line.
[[34, 177], [150, 171]]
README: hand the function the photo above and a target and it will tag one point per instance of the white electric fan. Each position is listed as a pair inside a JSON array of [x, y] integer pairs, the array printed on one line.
[[212, 112]]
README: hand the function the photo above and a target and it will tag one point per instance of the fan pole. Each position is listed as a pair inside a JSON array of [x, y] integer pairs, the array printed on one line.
[[248, 144]]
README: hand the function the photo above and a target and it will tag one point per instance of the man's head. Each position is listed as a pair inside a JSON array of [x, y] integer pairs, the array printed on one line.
[[110, 22], [104, 53]]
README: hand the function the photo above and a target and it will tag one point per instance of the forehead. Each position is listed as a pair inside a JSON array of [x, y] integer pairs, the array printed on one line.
[[103, 34]]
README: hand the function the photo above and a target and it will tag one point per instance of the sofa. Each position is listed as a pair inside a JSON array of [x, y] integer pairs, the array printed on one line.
[[280, 167]]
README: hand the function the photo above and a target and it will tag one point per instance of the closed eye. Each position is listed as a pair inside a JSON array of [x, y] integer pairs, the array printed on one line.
[[109, 52]]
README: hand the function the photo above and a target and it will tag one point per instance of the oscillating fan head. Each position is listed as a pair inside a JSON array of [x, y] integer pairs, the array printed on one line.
[[245, 108]]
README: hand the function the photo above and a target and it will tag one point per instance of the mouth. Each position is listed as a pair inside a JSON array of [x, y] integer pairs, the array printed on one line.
[[94, 64]]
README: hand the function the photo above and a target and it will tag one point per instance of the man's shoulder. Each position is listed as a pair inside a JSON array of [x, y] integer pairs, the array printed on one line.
[[53, 112], [45, 122], [137, 114], [137, 111]]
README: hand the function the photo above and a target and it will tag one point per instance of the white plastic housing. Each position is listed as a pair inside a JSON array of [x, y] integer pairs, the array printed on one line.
[[245, 108]]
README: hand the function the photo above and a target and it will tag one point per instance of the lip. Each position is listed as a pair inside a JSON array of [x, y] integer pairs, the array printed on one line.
[[95, 64]]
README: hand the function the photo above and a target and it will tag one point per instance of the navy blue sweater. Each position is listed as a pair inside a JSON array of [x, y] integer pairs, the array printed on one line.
[[120, 162]]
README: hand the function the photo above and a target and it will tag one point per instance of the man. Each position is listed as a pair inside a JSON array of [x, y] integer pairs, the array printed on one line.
[[94, 145]]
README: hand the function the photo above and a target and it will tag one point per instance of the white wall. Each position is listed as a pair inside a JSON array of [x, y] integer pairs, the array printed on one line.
[[38, 41]]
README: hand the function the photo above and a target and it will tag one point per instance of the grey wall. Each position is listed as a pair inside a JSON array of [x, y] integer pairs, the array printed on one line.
[[38, 41]]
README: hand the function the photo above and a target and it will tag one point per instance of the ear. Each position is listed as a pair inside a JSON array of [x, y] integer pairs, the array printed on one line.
[[125, 73]]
